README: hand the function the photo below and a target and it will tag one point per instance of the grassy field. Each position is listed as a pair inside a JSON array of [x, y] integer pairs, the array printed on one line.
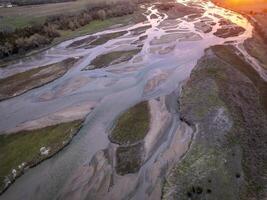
[[226, 160], [22, 16], [133, 125], [94, 26], [24, 146], [20, 83], [111, 58]]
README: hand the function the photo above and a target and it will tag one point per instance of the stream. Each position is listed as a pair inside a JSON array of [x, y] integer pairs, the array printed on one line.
[[169, 52]]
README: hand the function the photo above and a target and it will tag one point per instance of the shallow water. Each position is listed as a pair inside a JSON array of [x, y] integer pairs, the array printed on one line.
[[165, 61]]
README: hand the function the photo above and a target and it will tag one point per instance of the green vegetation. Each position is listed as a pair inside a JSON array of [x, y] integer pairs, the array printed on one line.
[[24, 147], [106, 37], [115, 57], [140, 30], [29, 29], [82, 43], [257, 48], [202, 173], [132, 126], [224, 98], [249, 112], [40, 33], [204, 97], [129, 132], [93, 27], [129, 159], [10, 23], [228, 55], [31, 14], [22, 82]]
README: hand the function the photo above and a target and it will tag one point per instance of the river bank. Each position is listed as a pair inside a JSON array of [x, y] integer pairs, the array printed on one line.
[[256, 14], [226, 100], [26, 149]]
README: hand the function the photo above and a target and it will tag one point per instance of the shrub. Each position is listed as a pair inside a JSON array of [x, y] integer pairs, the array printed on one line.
[[37, 35], [101, 14], [51, 31], [71, 26]]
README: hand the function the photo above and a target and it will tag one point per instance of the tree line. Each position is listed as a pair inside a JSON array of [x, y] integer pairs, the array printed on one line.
[[22, 40]]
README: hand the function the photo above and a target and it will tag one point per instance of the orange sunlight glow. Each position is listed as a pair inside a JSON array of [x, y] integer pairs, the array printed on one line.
[[243, 2]]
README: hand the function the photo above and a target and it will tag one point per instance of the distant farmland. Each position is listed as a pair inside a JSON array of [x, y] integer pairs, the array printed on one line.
[[21, 16]]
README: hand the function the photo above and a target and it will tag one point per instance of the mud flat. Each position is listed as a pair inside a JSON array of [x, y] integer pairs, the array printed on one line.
[[25, 149], [22, 82], [225, 102]]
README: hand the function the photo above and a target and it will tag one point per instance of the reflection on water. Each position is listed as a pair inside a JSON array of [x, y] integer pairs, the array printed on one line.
[[228, 14]]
